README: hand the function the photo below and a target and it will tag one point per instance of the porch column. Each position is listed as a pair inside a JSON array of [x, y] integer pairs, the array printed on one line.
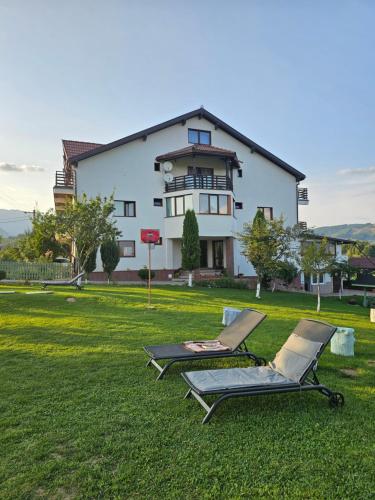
[[229, 256]]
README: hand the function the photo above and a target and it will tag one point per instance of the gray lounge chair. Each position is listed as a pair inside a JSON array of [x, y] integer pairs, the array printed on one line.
[[293, 370], [233, 336], [73, 282]]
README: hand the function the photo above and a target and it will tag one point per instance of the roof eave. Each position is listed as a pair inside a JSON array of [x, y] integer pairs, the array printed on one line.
[[202, 113]]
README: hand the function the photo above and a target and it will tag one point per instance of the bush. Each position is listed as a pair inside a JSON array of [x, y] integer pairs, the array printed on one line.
[[143, 273], [222, 283], [3, 275]]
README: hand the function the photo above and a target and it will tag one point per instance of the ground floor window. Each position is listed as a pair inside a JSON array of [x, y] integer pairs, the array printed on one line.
[[126, 248], [314, 279]]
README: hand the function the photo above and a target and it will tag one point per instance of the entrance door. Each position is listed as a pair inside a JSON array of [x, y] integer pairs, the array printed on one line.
[[203, 244], [218, 254]]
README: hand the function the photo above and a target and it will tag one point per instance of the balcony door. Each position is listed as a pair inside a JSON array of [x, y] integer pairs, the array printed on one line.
[[204, 176], [218, 254]]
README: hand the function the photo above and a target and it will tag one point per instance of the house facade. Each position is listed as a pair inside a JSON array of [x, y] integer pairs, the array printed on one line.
[[192, 161]]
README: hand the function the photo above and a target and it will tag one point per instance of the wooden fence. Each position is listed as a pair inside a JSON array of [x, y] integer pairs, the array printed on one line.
[[36, 270]]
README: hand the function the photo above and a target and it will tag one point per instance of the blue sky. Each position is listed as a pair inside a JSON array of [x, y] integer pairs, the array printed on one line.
[[298, 77]]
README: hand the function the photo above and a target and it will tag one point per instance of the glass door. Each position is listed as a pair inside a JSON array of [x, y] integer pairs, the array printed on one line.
[[218, 254], [204, 260]]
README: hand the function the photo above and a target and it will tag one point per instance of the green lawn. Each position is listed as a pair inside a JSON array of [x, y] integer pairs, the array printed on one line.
[[81, 416]]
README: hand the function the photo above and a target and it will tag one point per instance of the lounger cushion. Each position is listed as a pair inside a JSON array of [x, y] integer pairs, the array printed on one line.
[[295, 357], [235, 378]]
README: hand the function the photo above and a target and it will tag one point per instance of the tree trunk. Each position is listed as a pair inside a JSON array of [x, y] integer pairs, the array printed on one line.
[[318, 303], [273, 286], [257, 295], [190, 282]]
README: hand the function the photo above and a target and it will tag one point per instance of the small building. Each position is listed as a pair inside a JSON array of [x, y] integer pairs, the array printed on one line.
[[366, 270]]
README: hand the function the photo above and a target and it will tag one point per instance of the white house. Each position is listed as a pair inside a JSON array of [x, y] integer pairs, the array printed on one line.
[[192, 161]]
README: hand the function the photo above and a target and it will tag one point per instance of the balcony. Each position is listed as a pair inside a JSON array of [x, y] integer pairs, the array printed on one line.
[[303, 196], [63, 190], [214, 182], [64, 180]]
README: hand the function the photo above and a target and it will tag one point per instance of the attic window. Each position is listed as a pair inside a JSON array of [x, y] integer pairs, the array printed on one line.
[[196, 136]]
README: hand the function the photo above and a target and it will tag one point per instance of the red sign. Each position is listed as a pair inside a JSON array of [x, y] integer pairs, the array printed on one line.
[[150, 235]]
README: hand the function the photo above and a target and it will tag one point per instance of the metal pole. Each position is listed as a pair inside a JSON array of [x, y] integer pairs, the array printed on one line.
[[149, 274]]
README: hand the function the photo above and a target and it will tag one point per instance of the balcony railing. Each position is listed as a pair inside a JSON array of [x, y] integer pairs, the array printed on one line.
[[216, 182], [303, 196], [64, 179], [302, 225]]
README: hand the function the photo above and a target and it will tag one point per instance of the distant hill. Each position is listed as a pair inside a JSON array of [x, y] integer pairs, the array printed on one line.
[[14, 222], [364, 232]]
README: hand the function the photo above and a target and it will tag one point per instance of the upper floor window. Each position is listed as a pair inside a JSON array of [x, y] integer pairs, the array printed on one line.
[[214, 204], [196, 136], [267, 212], [124, 208], [177, 205]]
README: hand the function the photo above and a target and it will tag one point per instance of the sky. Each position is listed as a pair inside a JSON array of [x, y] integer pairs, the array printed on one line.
[[296, 76]]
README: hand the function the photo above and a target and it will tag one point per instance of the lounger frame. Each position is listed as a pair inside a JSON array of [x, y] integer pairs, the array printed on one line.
[[309, 382], [72, 282], [241, 351]]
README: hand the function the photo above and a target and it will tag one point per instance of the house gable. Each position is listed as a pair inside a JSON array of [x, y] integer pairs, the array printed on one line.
[[182, 119]]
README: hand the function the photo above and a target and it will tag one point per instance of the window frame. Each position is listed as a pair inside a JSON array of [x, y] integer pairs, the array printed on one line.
[[173, 205], [126, 202], [315, 281], [238, 203], [228, 210], [199, 131], [262, 209], [159, 200], [127, 256], [157, 167]]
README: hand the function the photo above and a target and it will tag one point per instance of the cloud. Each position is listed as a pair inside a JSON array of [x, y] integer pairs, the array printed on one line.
[[12, 167], [358, 171]]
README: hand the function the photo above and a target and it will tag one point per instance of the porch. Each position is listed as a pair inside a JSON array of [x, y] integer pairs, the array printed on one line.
[[216, 255]]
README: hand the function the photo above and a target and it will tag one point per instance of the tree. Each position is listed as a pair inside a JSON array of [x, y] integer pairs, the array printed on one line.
[[343, 270], [190, 248], [110, 256], [316, 258], [286, 272], [40, 244], [87, 223], [265, 243], [90, 264]]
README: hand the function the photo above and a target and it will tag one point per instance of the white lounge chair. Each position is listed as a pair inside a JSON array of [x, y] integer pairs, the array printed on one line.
[[76, 281]]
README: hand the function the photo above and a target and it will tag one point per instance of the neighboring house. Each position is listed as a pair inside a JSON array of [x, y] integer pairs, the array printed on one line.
[[328, 284], [192, 161], [366, 270]]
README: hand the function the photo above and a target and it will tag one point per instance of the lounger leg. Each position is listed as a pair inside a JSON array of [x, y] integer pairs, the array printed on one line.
[[209, 409], [164, 369], [149, 362], [188, 394]]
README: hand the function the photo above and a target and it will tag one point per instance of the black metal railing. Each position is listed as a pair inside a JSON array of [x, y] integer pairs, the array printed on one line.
[[217, 182], [303, 194], [302, 225], [64, 179]]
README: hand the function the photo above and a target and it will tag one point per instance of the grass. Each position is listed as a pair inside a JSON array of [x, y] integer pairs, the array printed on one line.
[[81, 416]]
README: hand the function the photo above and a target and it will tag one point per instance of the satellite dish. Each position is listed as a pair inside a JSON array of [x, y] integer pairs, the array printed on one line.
[[167, 166], [168, 178]]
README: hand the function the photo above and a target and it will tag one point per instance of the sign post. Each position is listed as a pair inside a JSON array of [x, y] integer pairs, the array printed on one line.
[[150, 236]]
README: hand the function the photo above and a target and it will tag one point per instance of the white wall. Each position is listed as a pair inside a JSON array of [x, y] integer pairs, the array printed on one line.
[[128, 172]]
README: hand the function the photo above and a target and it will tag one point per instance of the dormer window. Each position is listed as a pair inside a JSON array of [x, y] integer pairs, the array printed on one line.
[[196, 136]]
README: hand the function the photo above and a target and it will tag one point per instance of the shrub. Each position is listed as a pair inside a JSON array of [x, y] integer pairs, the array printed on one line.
[[143, 273], [2, 275], [222, 283]]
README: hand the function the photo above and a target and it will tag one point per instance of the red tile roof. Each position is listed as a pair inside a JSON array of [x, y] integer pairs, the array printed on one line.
[[204, 149], [74, 148], [362, 262]]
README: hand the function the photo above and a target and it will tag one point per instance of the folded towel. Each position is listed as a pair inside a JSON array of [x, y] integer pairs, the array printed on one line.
[[203, 346]]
